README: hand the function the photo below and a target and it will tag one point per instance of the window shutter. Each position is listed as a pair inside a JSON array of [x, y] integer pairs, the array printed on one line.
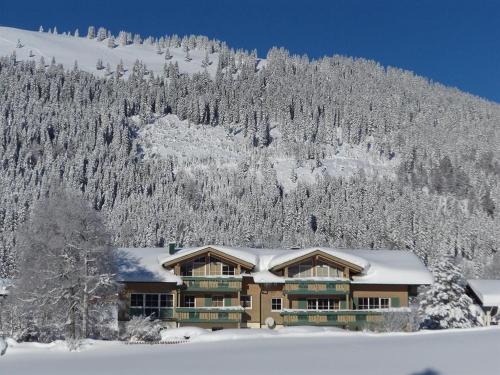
[[302, 304], [355, 303], [343, 304], [208, 301], [227, 301], [395, 302]]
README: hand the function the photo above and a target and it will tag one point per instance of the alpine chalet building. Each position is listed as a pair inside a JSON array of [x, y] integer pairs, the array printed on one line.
[[226, 287]]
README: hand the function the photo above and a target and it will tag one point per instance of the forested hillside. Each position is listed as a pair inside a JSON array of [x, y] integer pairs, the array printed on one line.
[[427, 160]]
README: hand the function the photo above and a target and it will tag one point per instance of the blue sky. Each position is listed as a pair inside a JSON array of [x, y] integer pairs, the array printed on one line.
[[453, 42]]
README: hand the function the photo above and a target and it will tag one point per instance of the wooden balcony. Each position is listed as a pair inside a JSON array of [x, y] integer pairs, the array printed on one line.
[[314, 287], [210, 284], [208, 315], [165, 313], [352, 318]]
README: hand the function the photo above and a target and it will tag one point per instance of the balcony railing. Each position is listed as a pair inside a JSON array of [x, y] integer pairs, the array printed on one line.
[[203, 284], [164, 313], [331, 317], [208, 315], [316, 287]]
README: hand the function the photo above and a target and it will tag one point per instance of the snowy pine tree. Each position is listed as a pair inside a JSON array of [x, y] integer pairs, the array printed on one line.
[[99, 65], [91, 32], [445, 304]]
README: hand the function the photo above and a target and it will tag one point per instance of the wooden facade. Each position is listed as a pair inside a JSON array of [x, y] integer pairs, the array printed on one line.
[[219, 291]]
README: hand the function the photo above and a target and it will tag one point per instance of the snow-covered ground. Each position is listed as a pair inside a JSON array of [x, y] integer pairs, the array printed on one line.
[[200, 145], [291, 351], [67, 49]]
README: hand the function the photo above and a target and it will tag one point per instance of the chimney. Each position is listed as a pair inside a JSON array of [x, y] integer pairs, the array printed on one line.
[[171, 248]]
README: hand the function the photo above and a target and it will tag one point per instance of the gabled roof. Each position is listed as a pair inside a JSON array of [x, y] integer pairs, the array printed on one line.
[[488, 291], [395, 267], [143, 265], [239, 256], [292, 256]]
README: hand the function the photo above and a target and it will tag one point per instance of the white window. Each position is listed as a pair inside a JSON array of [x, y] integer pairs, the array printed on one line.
[[246, 302], [217, 301], [366, 303], [227, 269], [154, 305], [303, 269], [323, 304], [189, 301], [385, 303], [194, 268], [276, 304], [323, 270]]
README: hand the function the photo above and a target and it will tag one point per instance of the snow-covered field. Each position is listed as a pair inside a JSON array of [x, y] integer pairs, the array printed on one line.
[[67, 49], [291, 351]]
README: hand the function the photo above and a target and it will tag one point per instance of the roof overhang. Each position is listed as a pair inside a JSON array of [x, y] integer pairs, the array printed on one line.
[[320, 253], [218, 253]]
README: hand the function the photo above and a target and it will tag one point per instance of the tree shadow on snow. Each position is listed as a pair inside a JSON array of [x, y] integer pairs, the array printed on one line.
[[428, 371], [131, 269]]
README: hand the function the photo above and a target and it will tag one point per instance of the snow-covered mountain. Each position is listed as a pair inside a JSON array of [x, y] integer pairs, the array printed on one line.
[[66, 49], [338, 151]]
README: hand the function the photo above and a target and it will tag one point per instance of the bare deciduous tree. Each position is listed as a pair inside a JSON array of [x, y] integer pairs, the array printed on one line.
[[65, 268]]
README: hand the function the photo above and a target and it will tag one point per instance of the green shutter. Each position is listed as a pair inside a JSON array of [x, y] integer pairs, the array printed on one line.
[[395, 302], [355, 303], [343, 304], [302, 304], [208, 301], [227, 301]]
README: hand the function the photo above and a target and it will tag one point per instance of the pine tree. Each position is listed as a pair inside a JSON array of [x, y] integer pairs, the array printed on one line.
[[111, 42], [188, 56], [123, 38], [91, 32], [40, 29], [168, 55], [137, 39], [206, 60], [99, 65], [77, 33], [445, 304], [101, 34]]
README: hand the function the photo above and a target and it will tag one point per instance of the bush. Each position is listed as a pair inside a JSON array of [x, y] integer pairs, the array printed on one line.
[[142, 329], [400, 321]]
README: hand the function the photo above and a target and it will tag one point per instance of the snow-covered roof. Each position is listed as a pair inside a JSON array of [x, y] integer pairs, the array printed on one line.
[[488, 291], [143, 265], [378, 266], [266, 277], [241, 254], [392, 267], [290, 255]]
